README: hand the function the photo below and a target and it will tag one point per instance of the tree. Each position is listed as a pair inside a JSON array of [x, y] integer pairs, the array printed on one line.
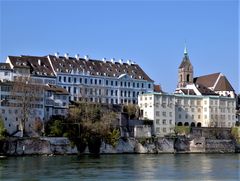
[[3, 131], [132, 111], [38, 126], [26, 94]]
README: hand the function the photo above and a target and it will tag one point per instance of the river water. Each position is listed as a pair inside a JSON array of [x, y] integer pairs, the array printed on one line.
[[122, 167]]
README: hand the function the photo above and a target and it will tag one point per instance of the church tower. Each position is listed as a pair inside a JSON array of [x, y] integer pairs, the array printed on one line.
[[185, 71]]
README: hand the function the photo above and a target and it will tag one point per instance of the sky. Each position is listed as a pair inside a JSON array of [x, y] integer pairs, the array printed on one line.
[[151, 33]]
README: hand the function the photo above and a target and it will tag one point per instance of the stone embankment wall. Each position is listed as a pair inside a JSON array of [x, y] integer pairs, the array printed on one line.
[[29, 146]]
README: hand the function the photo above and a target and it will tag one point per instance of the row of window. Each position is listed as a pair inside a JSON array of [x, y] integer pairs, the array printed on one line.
[[106, 100], [164, 114], [164, 122], [92, 81]]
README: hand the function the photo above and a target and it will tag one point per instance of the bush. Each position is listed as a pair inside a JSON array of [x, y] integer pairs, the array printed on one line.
[[56, 129], [235, 132], [3, 131], [182, 130], [113, 137]]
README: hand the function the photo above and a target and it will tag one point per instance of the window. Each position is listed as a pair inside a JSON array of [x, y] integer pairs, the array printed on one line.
[[64, 79], [133, 84], [69, 79], [60, 79], [164, 122], [164, 114], [170, 121], [74, 90], [170, 114], [3, 111], [186, 116], [199, 116], [164, 130], [149, 86], [91, 81], [80, 80], [95, 81], [111, 83], [85, 80], [158, 130], [142, 85], [100, 81], [116, 83], [106, 82], [157, 121], [157, 113], [128, 84], [75, 80], [179, 116]]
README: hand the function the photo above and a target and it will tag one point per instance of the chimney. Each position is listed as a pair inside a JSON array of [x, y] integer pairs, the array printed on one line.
[[104, 60], [129, 62], [57, 55], [77, 56], [86, 57], [66, 55], [112, 60], [121, 61]]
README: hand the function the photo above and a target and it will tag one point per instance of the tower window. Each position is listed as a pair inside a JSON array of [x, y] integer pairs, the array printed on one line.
[[188, 77]]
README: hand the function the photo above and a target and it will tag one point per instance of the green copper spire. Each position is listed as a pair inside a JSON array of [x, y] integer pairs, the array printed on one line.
[[185, 50]]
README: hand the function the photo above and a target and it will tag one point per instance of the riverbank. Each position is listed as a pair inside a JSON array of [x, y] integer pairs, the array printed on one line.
[[63, 146]]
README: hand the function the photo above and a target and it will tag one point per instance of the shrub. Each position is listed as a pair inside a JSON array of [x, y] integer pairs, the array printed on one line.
[[182, 130]]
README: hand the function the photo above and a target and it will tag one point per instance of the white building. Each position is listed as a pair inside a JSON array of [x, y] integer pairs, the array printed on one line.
[[111, 82], [204, 111], [160, 108], [53, 100], [167, 110]]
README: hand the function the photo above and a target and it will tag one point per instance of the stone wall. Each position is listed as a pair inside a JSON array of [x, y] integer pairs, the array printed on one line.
[[30, 146]]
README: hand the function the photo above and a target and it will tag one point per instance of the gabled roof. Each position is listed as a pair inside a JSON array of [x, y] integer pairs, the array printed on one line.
[[5, 66], [38, 65], [97, 67], [207, 80], [223, 85], [216, 81]]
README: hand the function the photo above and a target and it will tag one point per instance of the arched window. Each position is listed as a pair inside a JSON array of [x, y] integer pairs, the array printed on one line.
[[199, 124], [179, 124], [188, 77], [192, 124], [186, 124]]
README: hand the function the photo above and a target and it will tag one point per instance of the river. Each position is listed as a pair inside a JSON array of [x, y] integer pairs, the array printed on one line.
[[122, 167]]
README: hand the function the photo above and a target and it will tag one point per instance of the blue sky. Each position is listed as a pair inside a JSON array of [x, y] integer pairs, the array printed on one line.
[[152, 33]]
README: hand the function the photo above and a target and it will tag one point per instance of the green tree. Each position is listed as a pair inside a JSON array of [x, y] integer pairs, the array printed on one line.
[[131, 110], [3, 131], [56, 129]]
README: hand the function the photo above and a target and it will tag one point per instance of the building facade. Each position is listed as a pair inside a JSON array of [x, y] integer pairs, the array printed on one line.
[[160, 108], [103, 81], [169, 110]]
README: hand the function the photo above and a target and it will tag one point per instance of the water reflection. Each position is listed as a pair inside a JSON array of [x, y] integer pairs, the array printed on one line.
[[123, 167]]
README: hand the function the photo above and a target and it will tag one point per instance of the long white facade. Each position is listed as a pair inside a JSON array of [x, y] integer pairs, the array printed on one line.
[[167, 110]]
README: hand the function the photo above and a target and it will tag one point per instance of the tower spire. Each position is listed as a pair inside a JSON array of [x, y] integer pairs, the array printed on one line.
[[185, 49]]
